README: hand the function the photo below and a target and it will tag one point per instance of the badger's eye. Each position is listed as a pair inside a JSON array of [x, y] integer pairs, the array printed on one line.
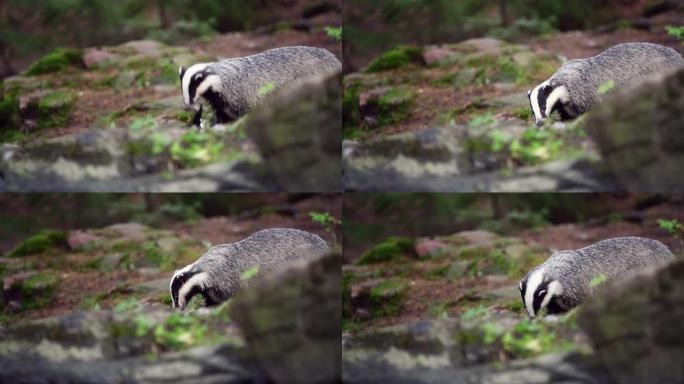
[[541, 293]]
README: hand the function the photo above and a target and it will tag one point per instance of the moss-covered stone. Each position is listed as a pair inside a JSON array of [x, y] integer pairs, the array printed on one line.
[[395, 105], [55, 108], [40, 242], [38, 290], [389, 249], [56, 61], [387, 296], [399, 57]]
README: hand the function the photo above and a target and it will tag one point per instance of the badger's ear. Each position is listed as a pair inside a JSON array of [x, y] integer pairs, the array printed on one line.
[[181, 71]]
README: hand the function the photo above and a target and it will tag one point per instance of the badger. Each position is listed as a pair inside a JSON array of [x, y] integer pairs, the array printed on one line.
[[564, 280], [218, 274], [233, 87], [574, 88]]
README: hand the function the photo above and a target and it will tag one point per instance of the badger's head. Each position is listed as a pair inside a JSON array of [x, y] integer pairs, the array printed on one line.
[[196, 82], [188, 282], [538, 291], [545, 98]]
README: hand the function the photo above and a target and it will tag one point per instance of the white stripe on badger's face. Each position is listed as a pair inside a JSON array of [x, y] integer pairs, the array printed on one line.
[[553, 289], [187, 78], [198, 279], [533, 283], [211, 81], [534, 100], [558, 94]]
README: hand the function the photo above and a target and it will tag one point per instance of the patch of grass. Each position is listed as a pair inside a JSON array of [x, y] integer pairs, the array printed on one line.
[[56, 61], [437, 273], [387, 296], [179, 332], [40, 242], [399, 57], [523, 113], [477, 312], [37, 291], [389, 249], [128, 305]]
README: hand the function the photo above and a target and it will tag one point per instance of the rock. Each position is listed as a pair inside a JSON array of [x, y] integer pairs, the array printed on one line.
[[386, 105], [429, 247], [80, 239], [291, 319], [29, 289], [635, 325], [129, 231], [94, 57], [432, 352], [109, 262], [299, 134], [639, 133]]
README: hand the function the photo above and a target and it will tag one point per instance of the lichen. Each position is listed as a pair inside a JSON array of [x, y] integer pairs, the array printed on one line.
[[389, 249], [399, 57], [40, 242], [56, 61]]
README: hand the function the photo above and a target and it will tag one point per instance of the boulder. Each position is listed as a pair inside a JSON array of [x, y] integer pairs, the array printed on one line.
[[291, 320], [635, 326], [299, 134], [639, 133]]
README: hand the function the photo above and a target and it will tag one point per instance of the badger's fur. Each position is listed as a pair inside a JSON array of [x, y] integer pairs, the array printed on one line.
[[233, 87], [564, 280], [217, 275], [574, 88]]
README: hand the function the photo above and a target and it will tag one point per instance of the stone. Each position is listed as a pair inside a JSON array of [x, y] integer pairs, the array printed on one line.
[[639, 133], [94, 57], [79, 239], [429, 247], [291, 320], [299, 134], [635, 325]]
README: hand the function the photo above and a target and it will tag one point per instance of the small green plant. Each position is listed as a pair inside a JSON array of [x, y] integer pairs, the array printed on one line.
[[473, 313], [598, 280], [606, 87], [327, 221], [127, 305], [250, 273], [483, 120], [266, 89], [676, 32], [334, 32], [674, 228]]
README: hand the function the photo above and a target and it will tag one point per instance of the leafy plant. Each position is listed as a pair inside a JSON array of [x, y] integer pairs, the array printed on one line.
[[598, 280], [606, 87], [266, 89], [334, 32], [327, 221], [676, 32], [250, 273]]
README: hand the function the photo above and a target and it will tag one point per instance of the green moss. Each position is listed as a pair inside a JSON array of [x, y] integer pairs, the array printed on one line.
[[40, 242], [523, 114], [37, 291], [395, 105], [54, 109], [185, 116], [399, 57], [387, 296], [56, 61], [389, 249], [9, 115]]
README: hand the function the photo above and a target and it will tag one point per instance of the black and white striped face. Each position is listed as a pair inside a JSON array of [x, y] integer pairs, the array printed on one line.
[[195, 82], [544, 99], [185, 284], [537, 291]]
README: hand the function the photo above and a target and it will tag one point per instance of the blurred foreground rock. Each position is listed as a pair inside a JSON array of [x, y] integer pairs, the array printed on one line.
[[299, 134], [636, 326], [435, 160], [640, 133], [292, 321]]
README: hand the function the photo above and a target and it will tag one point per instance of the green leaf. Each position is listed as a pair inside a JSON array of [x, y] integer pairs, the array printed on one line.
[[250, 273], [266, 89], [598, 280], [606, 87]]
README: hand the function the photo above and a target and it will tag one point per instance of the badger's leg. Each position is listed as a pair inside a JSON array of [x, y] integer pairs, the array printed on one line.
[[197, 120]]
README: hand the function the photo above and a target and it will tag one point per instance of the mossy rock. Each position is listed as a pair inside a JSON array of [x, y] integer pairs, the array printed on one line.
[[55, 61], [395, 105], [55, 108], [38, 290], [387, 296], [40, 242], [389, 249], [399, 57]]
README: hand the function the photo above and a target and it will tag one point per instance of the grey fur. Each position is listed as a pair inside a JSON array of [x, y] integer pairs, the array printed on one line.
[[242, 78], [270, 249], [614, 258], [625, 64]]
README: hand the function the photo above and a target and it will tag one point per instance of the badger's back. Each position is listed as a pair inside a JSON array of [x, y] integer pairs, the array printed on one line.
[[244, 78], [613, 258], [624, 64]]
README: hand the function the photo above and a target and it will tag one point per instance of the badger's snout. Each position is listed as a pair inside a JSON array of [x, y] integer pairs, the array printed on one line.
[[539, 122]]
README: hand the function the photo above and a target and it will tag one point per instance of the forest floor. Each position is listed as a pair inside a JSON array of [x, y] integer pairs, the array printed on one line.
[[102, 267]]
